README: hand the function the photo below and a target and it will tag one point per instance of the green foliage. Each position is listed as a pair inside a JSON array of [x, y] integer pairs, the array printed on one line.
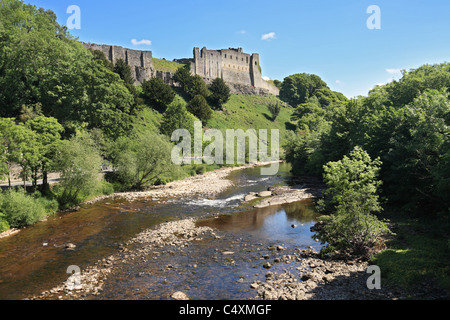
[[419, 151], [20, 146], [220, 92], [199, 108], [21, 210], [277, 83], [124, 71], [157, 94], [177, 117], [4, 225], [192, 85], [48, 132], [56, 71], [405, 123], [274, 109], [352, 233], [141, 160], [354, 178], [79, 162], [197, 86], [301, 150], [416, 81], [352, 184], [299, 87], [100, 56], [183, 76]]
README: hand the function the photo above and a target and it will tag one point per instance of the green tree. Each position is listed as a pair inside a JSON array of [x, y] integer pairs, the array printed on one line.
[[157, 94], [352, 184], [277, 83], [299, 87], [143, 159], [220, 92], [418, 152], [177, 117], [79, 163], [20, 146], [199, 108], [124, 71], [100, 56], [183, 76], [48, 132], [43, 64], [274, 109], [197, 86]]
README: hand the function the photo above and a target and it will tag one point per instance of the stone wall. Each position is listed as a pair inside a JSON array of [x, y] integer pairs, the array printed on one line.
[[141, 62], [235, 67], [238, 69]]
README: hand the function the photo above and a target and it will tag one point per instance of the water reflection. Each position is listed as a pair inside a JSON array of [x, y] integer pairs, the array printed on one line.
[[288, 223]]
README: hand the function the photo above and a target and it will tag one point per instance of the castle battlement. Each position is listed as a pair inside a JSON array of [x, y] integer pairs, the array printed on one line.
[[240, 70], [233, 66]]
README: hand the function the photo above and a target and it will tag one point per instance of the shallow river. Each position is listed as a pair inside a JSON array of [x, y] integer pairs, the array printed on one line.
[[35, 259]]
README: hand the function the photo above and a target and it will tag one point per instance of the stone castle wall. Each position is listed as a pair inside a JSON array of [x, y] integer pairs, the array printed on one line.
[[235, 67], [141, 62], [238, 69]]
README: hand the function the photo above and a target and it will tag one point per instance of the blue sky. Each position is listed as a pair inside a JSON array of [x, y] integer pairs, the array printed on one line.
[[329, 38]]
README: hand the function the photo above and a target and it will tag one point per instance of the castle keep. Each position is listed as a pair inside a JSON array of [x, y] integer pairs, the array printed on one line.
[[235, 67], [241, 71]]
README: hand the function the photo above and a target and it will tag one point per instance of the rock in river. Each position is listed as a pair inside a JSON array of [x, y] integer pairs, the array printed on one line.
[[180, 296]]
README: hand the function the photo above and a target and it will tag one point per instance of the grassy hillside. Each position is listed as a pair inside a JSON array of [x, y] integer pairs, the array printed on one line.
[[240, 112], [165, 65], [250, 112]]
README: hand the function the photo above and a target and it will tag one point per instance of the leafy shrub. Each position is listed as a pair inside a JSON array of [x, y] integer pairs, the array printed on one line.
[[4, 225], [107, 188], [79, 162], [21, 210], [220, 93], [352, 232], [274, 109], [157, 94], [199, 108], [352, 228], [142, 159]]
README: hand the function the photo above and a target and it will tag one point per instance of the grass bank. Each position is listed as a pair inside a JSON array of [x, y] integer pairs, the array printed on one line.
[[166, 65], [419, 253]]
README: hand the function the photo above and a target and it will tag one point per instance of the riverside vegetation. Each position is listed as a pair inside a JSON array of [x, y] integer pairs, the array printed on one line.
[[69, 110]]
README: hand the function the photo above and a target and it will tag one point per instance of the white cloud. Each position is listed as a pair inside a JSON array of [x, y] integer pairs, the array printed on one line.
[[268, 36], [266, 78], [394, 71], [135, 42], [242, 31], [339, 82]]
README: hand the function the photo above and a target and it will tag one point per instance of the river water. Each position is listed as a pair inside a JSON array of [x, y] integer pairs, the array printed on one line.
[[35, 260]]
